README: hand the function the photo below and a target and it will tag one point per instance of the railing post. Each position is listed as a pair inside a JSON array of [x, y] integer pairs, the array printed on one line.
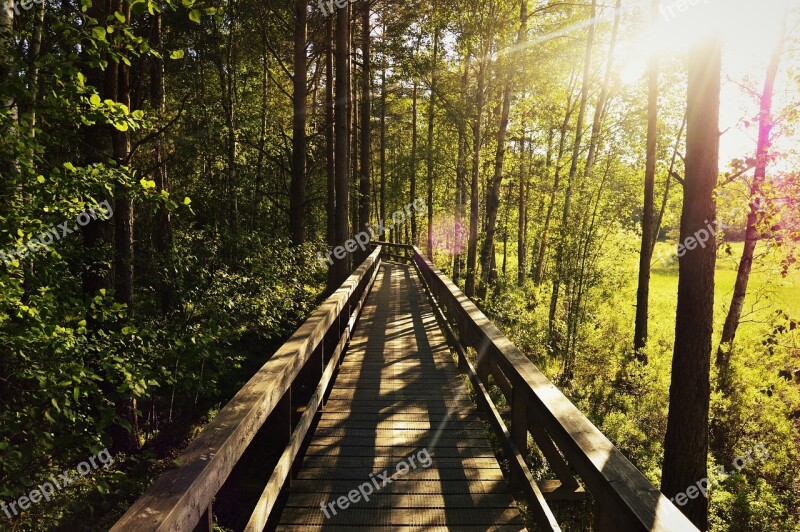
[[519, 428], [603, 521], [206, 523], [283, 422], [483, 361]]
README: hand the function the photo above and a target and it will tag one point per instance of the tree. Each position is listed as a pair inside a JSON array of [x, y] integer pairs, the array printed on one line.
[[686, 440], [342, 153], [493, 190], [754, 217], [576, 146], [330, 156], [297, 189], [365, 174], [431, 116], [472, 245], [648, 213]]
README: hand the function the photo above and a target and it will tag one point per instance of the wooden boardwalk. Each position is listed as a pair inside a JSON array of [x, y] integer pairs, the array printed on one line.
[[398, 395]]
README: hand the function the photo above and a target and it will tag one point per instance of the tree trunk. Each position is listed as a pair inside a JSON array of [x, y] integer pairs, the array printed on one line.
[[493, 190], [383, 134], [648, 213], [431, 115], [562, 244], [765, 124], [686, 441], [366, 132], [461, 181], [297, 188], [100, 143], [541, 250], [342, 166], [7, 100], [413, 190], [162, 228], [493, 195], [355, 202], [472, 248], [522, 225], [668, 182], [123, 212], [330, 165]]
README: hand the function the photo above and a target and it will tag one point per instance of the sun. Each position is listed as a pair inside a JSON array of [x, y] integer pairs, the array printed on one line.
[[749, 31]]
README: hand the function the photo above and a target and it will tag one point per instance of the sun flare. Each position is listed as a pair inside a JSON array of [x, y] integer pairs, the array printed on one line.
[[749, 32]]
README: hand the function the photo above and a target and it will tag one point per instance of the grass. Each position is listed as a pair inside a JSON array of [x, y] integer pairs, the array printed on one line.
[[767, 291]]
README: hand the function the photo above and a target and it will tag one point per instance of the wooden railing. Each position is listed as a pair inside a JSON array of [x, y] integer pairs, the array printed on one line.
[[572, 445], [181, 498]]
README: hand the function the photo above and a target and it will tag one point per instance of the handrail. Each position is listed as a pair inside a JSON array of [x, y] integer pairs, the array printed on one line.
[[627, 498], [180, 497]]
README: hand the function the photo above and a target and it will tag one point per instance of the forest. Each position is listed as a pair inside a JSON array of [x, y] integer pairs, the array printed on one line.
[[614, 184]]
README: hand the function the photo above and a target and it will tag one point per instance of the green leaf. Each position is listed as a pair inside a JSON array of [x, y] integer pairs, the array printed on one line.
[[176, 54], [95, 100], [187, 200], [138, 7], [119, 16], [121, 126], [40, 179], [99, 33], [69, 166], [194, 15]]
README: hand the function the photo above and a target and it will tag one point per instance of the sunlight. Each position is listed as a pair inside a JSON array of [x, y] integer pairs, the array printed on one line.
[[748, 30]]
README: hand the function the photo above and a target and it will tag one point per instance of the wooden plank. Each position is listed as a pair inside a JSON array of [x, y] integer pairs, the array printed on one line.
[[379, 463], [554, 490], [425, 487], [397, 393], [407, 500], [523, 479], [553, 456], [356, 516], [460, 450], [423, 528]]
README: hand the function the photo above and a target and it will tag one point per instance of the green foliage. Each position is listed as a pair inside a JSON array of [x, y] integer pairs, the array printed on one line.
[[627, 400]]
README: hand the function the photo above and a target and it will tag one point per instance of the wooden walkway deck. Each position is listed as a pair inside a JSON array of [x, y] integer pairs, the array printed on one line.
[[398, 395]]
